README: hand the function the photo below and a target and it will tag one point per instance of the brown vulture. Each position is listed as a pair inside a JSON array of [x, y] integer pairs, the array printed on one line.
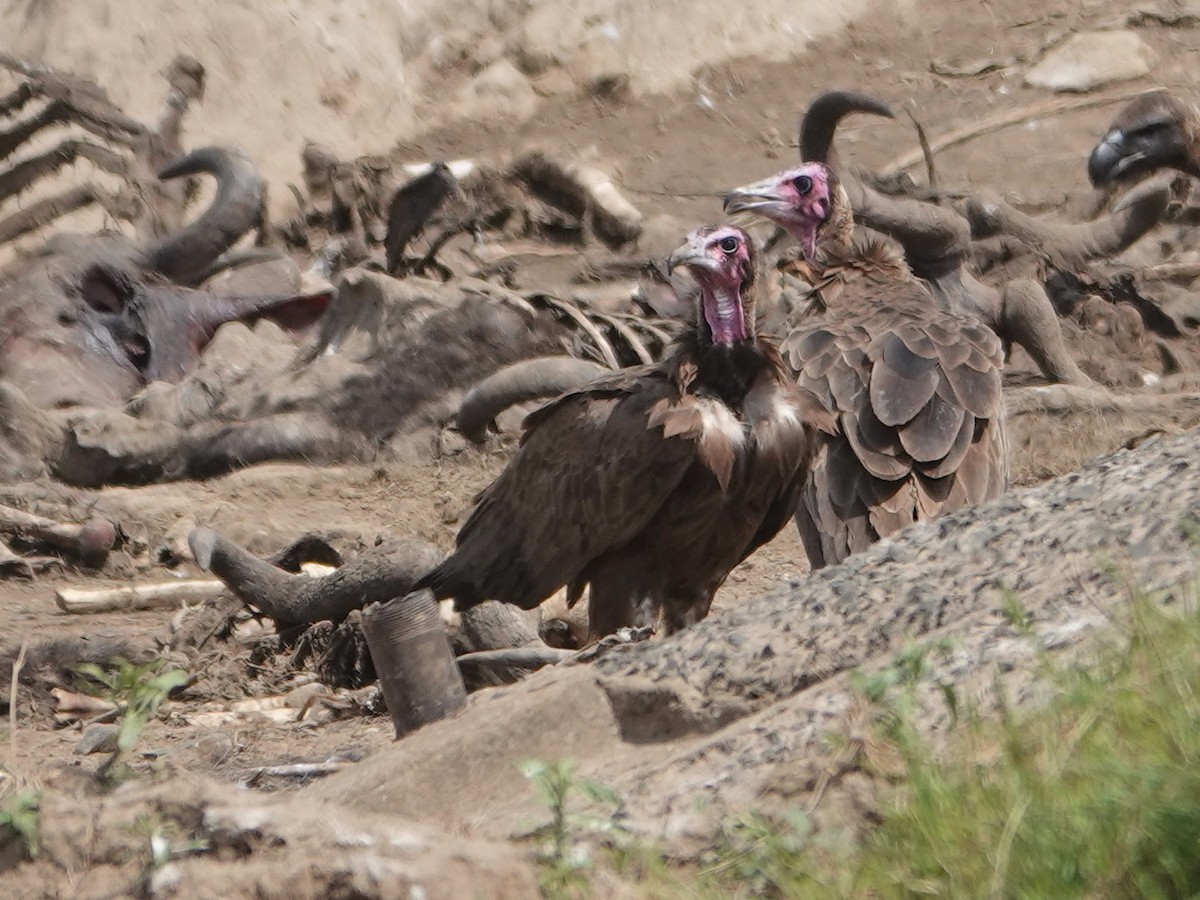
[[915, 387], [1155, 131], [649, 484]]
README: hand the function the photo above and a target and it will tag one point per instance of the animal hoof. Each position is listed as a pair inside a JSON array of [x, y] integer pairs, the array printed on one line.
[[96, 539]]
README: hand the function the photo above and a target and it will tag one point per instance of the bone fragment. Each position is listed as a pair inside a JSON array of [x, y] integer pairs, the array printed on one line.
[[162, 595]]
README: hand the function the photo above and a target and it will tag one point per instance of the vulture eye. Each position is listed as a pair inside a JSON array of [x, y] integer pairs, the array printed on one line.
[[803, 184], [1145, 129], [729, 245]]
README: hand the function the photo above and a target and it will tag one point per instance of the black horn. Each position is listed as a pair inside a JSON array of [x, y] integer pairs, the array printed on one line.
[[820, 120], [235, 210]]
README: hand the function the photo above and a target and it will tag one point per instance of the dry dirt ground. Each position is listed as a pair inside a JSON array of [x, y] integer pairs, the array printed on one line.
[[676, 141]]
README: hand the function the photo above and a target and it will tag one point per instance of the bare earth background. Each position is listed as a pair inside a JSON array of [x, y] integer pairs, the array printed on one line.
[[680, 99], [363, 74]]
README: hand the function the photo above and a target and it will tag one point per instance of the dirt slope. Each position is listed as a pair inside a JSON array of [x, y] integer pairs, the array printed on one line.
[[698, 726], [362, 75]]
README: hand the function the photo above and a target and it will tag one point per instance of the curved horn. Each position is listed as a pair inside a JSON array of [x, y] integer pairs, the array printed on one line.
[[935, 239], [376, 575], [519, 383], [1074, 243], [235, 210], [821, 119]]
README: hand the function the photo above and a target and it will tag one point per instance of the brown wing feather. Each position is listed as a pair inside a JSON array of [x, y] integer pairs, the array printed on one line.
[[781, 457], [917, 391], [901, 381], [700, 534], [557, 506], [876, 447], [931, 433], [948, 464]]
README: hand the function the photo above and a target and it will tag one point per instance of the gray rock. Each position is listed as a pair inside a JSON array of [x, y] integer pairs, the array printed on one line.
[[499, 90], [98, 739], [1084, 62]]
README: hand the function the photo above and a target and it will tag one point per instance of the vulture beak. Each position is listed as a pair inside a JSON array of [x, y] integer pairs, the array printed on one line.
[[766, 199], [693, 252], [1112, 158], [762, 198], [1129, 152]]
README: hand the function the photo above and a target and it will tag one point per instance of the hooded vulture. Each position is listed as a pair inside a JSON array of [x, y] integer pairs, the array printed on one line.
[[649, 484], [915, 387]]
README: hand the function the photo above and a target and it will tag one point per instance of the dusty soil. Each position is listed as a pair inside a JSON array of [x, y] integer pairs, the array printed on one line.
[[358, 76], [704, 114]]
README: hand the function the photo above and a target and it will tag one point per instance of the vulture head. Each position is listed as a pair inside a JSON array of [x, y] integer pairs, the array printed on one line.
[[721, 260], [1155, 131], [807, 201]]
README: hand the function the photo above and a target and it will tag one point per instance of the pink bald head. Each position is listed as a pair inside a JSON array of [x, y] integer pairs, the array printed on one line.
[[799, 200], [721, 259]]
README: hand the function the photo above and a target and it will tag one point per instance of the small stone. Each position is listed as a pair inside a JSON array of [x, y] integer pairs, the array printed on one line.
[[213, 748], [773, 142], [268, 276], [488, 50], [538, 45], [554, 82], [98, 739], [500, 89], [598, 64], [300, 697], [451, 443], [1087, 61]]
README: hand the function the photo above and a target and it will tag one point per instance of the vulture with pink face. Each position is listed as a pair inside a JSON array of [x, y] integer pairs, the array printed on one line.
[[915, 387], [652, 483]]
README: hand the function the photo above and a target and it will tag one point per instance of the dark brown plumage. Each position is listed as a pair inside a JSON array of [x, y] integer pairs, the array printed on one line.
[[410, 209], [652, 483], [915, 387], [1155, 131]]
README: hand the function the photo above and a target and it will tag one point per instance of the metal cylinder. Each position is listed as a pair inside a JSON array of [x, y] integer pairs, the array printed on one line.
[[417, 672]]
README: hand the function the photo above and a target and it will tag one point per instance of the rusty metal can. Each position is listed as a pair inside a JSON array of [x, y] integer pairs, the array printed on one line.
[[417, 672]]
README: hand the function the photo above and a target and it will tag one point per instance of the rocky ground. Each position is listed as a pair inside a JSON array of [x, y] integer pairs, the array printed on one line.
[[745, 711]]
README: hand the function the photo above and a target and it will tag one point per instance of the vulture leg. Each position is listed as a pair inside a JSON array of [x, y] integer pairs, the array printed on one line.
[[614, 601], [682, 610]]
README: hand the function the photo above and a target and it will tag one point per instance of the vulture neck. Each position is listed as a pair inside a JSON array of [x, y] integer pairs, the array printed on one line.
[[725, 314], [835, 237], [1187, 115], [723, 347]]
